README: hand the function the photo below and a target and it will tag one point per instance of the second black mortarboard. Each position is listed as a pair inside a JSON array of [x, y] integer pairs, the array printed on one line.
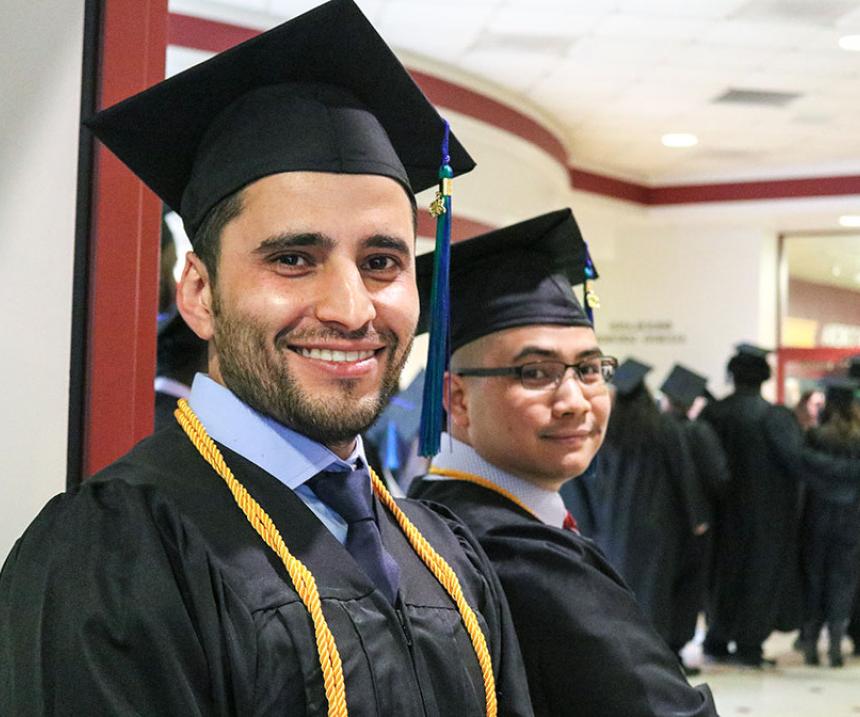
[[745, 349], [840, 390], [749, 364], [854, 366], [684, 386], [321, 92], [629, 376], [515, 276]]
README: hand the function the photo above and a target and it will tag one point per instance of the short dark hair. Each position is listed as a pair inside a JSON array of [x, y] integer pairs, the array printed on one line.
[[749, 371], [207, 240]]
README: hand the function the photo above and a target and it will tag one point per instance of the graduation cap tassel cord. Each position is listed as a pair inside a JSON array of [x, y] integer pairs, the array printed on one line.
[[305, 584], [591, 300], [440, 303]]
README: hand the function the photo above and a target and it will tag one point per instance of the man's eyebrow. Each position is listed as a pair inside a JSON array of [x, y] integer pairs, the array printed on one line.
[[386, 241], [541, 351], [552, 354], [280, 242]]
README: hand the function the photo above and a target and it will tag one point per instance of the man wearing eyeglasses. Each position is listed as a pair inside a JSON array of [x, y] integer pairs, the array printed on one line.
[[528, 402]]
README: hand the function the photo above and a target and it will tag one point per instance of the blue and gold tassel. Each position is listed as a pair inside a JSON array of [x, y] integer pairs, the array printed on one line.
[[432, 412], [591, 299]]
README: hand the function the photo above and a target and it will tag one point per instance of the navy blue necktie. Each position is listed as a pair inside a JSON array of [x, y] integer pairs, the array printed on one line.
[[349, 494]]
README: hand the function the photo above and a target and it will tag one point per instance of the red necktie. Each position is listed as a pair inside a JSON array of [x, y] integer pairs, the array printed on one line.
[[570, 523]]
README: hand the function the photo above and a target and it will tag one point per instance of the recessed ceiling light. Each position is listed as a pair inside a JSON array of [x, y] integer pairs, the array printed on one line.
[[850, 43], [679, 139], [850, 220], [836, 271]]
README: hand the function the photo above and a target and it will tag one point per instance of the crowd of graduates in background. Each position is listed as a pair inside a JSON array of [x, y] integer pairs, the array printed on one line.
[[742, 510]]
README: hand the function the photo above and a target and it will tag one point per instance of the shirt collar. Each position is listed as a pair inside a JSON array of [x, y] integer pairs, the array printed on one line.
[[547, 505], [171, 387], [284, 453]]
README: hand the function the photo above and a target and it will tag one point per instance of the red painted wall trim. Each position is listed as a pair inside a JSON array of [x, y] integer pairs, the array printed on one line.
[[744, 191], [784, 355], [585, 181], [486, 109], [199, 33], [124, 249]]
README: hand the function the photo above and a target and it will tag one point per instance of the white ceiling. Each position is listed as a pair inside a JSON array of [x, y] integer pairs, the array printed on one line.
[[612, 76]]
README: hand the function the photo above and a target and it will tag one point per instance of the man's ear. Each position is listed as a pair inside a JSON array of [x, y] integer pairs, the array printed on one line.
[[455, 399], [194, 297]]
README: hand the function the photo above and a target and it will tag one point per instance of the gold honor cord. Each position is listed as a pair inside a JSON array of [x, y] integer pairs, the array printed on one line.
[[303, 579], [484, 483]]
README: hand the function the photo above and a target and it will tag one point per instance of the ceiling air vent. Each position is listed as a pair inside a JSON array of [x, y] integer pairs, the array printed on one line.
[[757, 97]]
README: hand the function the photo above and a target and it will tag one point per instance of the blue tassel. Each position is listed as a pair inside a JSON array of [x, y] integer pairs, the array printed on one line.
[[440, 311], [392, 448], [590, 299]]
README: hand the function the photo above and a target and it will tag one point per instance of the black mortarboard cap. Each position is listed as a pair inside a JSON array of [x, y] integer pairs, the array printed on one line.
[[321, 92], [749, 364], [854, 366], [516, 276], [629, 375], [840, 390], [684, 386], [752, 350]]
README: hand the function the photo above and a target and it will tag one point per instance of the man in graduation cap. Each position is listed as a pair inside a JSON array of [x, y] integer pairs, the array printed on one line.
[[245, 562], [682, 389], [756, 521], [528, 404]]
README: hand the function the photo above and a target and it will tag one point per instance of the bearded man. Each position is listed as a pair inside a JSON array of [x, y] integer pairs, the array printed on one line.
[[243, 561]]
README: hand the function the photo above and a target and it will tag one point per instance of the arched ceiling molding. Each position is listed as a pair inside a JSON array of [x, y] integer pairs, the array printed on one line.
[[215, 36]]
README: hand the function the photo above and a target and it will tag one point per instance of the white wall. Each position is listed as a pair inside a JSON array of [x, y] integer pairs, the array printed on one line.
[[40, 87]]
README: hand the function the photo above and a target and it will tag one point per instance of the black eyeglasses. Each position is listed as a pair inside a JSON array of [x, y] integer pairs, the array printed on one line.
[[542, 375]]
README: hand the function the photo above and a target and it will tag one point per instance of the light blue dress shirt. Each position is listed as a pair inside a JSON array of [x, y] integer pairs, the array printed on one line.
[[547, 505], [289, 456]]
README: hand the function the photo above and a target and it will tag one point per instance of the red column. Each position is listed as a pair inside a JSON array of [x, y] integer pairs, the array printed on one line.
[[124, 246]]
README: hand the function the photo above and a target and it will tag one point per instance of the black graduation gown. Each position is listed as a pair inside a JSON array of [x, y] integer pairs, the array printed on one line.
[[147, 592], [589, 651], [712, 474], [831, 539], [165, 406], [649, 502], [756, 522]]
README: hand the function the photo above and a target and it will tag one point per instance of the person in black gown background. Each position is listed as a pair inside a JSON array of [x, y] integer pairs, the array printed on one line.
[[756, 522], [681, 389], [651, 505], [831, 530], [754, 588]]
